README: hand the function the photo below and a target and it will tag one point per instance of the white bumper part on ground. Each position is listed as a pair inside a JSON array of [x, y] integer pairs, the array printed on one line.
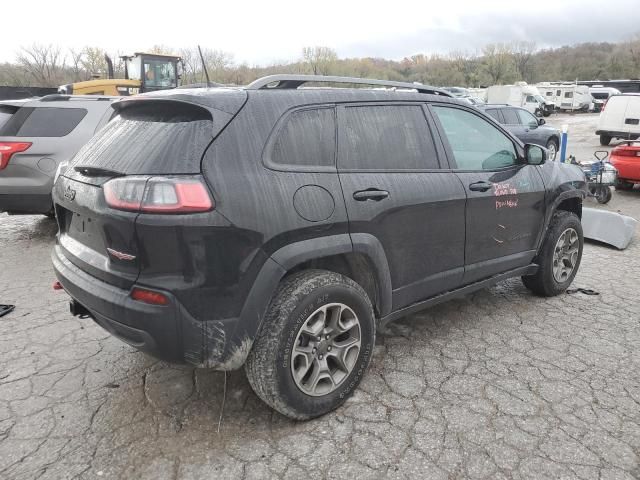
[[608, 227]]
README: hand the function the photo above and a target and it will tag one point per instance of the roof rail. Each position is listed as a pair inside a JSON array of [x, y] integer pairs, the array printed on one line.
[[284, 81], [59, 97]]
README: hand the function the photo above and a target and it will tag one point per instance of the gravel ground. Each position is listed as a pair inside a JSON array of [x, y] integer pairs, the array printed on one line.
[[498, 385]]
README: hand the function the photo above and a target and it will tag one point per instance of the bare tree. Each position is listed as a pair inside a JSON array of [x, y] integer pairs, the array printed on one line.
[[320, 60], [45, 64], [497, 62], [522, 56], [76, 64], [93, 61]]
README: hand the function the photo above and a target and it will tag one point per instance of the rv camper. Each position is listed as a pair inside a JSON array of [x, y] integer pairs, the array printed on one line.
[[520, 95]]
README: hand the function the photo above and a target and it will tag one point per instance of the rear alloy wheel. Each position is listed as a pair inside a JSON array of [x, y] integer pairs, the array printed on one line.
[[552, 146], [314, 344], [559, 257]]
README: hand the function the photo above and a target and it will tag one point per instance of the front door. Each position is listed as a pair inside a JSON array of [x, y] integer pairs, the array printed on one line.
[[505, 197], [396, 192]]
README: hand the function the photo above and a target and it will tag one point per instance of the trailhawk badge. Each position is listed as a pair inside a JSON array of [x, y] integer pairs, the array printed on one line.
[[70, 193]]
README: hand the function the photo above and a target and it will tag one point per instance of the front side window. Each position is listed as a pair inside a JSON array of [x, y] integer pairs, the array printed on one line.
[[387, 137], [495, 114], [475, 143], [308, 138], [510, 116], [527, 119]]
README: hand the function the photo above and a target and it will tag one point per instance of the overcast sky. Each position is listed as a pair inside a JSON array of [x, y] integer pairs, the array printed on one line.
[[269, 31]]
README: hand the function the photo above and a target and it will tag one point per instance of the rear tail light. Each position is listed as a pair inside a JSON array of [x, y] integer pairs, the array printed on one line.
[[626, 152], [604, 105], [149, 296], [179, 194], [7, 149]]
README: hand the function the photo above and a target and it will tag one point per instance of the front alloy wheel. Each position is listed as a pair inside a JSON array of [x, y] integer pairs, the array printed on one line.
[[565, 255]]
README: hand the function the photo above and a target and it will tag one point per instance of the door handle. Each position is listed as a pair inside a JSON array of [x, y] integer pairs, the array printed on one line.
[[480, 186], [370, 194]]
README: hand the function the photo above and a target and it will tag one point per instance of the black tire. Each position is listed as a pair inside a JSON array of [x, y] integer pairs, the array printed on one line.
[[624, 185], [553, 142], [546, 113], [543, 282], [269, 364], [603, 195], [605, 140]]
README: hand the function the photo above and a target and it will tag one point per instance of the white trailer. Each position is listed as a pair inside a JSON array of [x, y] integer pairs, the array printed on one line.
[[567, 97], [519, 95]]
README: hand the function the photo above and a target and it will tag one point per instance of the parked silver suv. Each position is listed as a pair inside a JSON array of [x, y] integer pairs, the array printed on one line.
[[35, 137]]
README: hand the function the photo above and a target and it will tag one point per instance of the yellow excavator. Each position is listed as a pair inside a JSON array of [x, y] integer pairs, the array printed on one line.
[[143, 72]]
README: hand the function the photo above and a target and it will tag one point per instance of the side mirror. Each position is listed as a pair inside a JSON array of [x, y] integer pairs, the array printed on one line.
[[541, 121], [535, 154]]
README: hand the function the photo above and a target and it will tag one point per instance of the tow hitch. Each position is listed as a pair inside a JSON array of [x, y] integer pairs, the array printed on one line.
[[78, 310]]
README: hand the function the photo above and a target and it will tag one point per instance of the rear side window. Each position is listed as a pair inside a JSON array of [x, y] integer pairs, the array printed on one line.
[[388, 137], [154, 137], [6, 112], [43, 122], [307, 139], [568, 94], [510, 116]]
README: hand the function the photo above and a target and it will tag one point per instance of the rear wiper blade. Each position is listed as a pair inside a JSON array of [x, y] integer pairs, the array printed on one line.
[[89, 171]]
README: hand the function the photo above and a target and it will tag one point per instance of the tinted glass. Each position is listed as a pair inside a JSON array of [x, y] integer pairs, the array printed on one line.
[[308, 138], [510, 116], [6, 112], [43, 122], [390, 137], [151, 137], [600, 96], [476, 144], [568, 94], [526, 118], [494, 113]]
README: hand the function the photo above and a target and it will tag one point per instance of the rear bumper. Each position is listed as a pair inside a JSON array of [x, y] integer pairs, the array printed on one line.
[[25, 204], [167, 332]]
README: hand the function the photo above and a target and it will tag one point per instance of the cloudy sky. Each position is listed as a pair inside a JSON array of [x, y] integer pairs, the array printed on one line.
[[265, 32]]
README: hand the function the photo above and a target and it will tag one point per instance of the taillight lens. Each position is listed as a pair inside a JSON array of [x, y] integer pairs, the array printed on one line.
[[626, 152], [7, 149], [604, 105], [179, 194]]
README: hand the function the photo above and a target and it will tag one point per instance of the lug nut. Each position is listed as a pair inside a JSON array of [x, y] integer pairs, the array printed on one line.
[[314, 350], [327, 337], [329, 348], [320, 356]]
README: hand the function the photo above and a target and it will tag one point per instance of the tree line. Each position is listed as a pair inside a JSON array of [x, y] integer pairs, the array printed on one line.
[[496, 63]]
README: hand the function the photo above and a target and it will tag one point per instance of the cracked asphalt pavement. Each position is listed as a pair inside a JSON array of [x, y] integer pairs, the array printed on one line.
[[500, 384]]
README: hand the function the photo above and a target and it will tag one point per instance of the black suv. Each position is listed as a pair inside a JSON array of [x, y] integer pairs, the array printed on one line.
[[278, 227]]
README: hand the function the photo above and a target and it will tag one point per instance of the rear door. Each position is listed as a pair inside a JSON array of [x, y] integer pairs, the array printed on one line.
[[512, 122], [505, 198], [398, 190], [632, 115]]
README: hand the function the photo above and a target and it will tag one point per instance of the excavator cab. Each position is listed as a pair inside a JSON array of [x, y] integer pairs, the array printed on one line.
[[143, 72], [154, 71]]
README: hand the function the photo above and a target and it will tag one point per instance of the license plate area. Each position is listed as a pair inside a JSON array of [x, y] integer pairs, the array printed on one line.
[[632, 121]]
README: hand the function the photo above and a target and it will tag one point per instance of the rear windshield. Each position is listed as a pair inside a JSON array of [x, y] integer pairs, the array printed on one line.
[[151, 137], [42, 122]]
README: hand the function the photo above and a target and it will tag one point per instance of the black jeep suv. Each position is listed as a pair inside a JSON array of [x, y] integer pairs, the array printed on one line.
[[277, 227]]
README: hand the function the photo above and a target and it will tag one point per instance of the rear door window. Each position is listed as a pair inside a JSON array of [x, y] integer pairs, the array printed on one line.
[[43, 122], [152, 137], [386, 137], [475, 143], [510, 116], [307, 139]]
